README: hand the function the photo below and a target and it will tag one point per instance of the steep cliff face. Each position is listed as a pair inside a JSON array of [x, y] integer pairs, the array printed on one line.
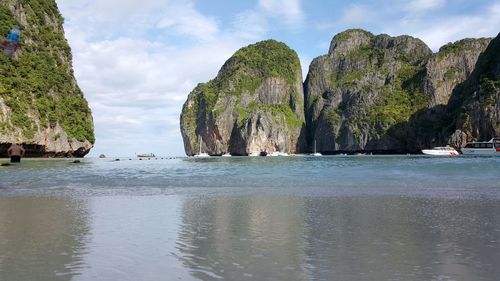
[[255, 104], [446, 70], [391, 94], [358, 95], [452, 65], [475, 105], [41, 105]]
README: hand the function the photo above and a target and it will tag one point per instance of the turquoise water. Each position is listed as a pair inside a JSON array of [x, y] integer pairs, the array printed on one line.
[[304, 175], [293, 218]]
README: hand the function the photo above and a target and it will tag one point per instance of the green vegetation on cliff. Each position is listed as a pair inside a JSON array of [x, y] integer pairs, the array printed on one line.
[[38, 84], [244, 72], [258, 91], [270, 58], [458, 46], [400, 99], [476, 104], [346, 35]]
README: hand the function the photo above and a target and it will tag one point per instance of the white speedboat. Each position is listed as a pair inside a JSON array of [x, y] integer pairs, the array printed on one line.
[[227, 154], [277, 153], [491, 147], [441, 151], [202, 155], [254, 154]]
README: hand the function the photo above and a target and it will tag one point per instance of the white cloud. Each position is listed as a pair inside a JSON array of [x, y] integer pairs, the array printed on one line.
[[137, 88], [104, 19], [442, 30], [289, 10], [424, 5], [136, 84], [419, 18], [358, 14], [250, 25], [185, 20], [305, 61]]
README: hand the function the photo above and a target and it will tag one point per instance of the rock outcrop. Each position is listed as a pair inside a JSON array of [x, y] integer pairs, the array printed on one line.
[[370, 93], [386, 94], [449, 67], [41, 105], [358, 96], [475, 104], [255, 104], [446, 70]]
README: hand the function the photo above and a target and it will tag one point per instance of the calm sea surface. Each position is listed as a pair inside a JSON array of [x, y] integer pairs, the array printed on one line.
[[264, 218]]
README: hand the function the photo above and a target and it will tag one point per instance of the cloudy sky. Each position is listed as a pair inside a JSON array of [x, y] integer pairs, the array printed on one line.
[[137, 60]]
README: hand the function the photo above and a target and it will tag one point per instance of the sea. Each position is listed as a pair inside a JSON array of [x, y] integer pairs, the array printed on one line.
[[357, 217]]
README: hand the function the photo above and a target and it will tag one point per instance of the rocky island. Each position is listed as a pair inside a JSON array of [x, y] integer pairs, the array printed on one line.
[[41, 105], [370, 93], [385, 94], [255, 104]]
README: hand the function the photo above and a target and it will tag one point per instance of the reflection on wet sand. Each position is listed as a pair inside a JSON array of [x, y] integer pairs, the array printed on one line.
[[254, 237], [234, 238], [41, 238], [381, 238]]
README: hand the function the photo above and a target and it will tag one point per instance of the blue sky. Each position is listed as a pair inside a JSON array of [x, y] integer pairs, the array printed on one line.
[[136, 61]]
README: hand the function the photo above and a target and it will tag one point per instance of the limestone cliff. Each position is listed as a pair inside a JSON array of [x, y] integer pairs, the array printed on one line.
[[358, 95], [475, 104], [446, 70], [387, 94], [41, 105], [449, 67], [255, 104]]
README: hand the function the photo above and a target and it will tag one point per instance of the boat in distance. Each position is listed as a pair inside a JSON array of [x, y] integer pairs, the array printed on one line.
[[277, 153], [146, 155], [316, 153], [201, 154], [491, 147], [441, 151]]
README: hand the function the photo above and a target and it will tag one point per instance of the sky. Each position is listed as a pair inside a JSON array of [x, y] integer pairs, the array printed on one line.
[[137, 60]]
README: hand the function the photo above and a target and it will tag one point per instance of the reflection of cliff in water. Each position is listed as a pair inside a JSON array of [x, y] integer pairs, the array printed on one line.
[[233, 238], [42, 238], [340, 238], [391, 238]]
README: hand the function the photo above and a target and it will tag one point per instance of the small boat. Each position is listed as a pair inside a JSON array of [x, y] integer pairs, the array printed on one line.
[[315, 152], [441, 151], [227, 154], [200, 154], [146, 155], [277, 153], [491, 147], [254, 154]]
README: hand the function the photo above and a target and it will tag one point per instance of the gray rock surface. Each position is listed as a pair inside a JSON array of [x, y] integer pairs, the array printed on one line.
[[390, 94], [452, 65], [255, 104], [475, 105], [357, 95]]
